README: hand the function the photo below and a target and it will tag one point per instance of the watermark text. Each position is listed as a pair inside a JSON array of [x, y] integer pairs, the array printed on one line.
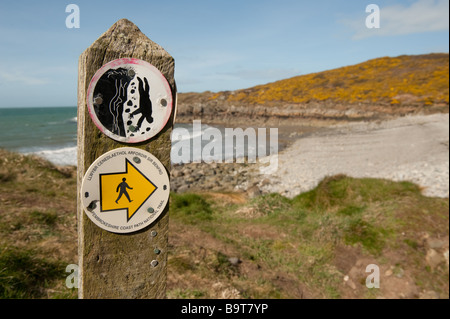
[[73, 19], [233, 145]]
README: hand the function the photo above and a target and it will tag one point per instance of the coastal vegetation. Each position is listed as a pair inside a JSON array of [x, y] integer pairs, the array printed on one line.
[[37, 227], [421, 79], [226, 245]]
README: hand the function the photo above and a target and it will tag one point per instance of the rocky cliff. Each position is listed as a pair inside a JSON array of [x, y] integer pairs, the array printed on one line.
[[374, 89]]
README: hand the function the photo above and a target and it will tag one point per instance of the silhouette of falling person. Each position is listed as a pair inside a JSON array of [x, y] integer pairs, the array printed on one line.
[[123, 190], [145, 104]]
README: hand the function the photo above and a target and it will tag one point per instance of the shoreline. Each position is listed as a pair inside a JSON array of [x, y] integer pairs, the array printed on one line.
[[411, 148]]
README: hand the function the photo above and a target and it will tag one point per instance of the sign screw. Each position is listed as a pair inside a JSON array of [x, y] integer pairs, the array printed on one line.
[[98, 100], [150, 210], [154, 233], [136, 159]]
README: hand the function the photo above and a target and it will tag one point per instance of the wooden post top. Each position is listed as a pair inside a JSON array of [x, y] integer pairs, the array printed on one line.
[[121, 265], [124, 39]]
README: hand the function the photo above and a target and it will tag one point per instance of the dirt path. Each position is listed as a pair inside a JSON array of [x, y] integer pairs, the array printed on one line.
[[413, 148]]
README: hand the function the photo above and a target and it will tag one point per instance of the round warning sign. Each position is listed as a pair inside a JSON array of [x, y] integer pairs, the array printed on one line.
[[129, 100], [125, 190]]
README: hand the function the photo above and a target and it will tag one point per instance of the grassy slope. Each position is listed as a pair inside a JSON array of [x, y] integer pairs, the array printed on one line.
[[285, 248], [421, 79], [37, 227], [304, 247]]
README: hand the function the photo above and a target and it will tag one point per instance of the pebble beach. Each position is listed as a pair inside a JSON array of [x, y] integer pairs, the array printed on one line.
[[412, 148]]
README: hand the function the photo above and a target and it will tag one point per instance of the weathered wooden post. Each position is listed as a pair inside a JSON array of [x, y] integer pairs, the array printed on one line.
[[111, 264]]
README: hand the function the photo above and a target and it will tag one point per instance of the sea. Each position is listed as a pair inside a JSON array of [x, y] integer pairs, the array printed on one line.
[[51, 132]]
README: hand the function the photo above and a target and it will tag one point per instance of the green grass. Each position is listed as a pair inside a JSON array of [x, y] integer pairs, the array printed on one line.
[[299, 237], [271, 204], [46, 218], [37, 227], [359, 211], [24, 275], [370, 237], [191, 208], [289, 248]]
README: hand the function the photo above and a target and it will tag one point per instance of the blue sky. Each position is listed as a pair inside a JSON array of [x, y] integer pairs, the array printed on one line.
[[217, 45]]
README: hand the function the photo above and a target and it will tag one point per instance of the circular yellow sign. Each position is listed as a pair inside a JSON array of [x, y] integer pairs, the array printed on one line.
[[125, 190]]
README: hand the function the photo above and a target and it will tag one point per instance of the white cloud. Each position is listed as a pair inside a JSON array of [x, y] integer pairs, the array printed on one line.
[[20, 78], [267, 74], [421, 16]]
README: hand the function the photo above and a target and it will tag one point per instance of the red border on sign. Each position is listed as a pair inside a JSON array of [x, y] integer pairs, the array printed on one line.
[[114, 64]]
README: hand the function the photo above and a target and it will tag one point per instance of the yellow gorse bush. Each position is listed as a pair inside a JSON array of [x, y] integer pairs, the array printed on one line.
[[423, 78]]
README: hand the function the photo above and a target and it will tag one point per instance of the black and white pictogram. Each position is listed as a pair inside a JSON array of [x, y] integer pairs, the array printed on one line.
[[129, 100]]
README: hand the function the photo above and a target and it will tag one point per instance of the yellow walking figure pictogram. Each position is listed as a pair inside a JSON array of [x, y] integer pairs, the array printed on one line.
[[119, 182]]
